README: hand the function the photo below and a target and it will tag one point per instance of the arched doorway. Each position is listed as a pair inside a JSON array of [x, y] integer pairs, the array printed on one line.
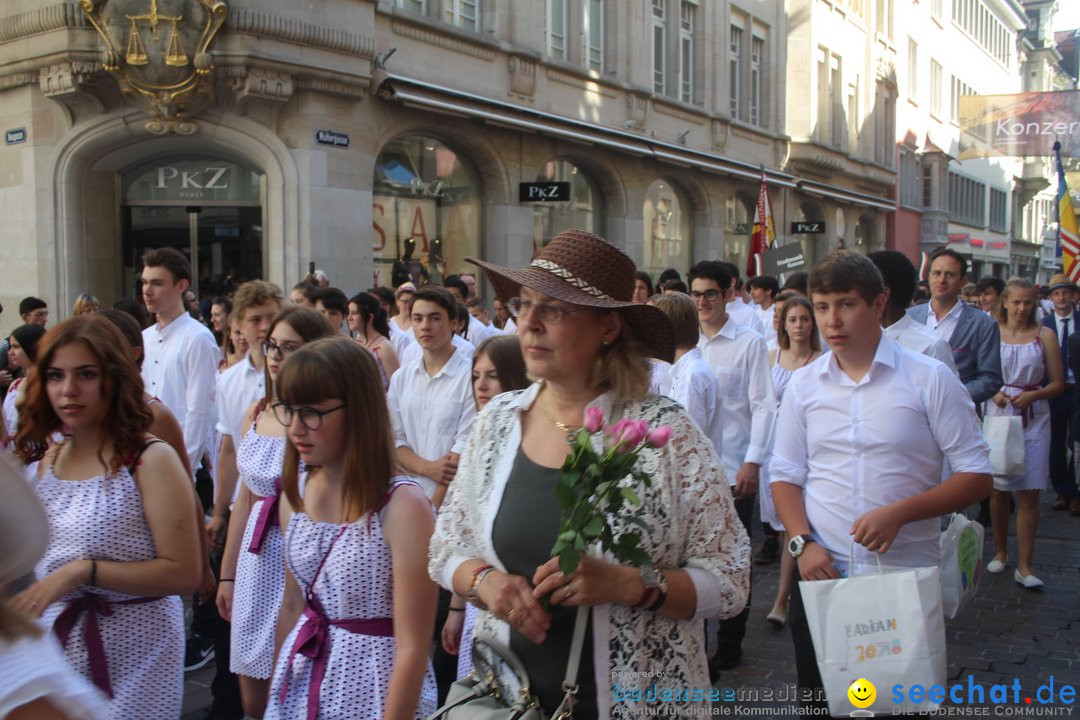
[[668, 233], [583, 211], [426, 211], [738, 227]]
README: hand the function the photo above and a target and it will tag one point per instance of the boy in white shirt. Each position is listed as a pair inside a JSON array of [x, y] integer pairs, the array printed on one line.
[[432, 409], [860, 442]]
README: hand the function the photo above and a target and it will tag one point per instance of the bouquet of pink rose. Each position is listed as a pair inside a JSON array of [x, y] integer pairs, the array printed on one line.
[[592, 489]]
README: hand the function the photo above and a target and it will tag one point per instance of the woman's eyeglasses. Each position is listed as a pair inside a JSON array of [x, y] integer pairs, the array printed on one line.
[[548, 313], [278, 352], [311, 418]]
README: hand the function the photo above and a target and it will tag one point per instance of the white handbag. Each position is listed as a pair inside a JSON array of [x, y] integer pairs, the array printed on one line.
[[1005, 436], [961, 563]]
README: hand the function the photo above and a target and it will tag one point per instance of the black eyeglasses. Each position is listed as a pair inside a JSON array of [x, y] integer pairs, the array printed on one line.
[[709, 295], [277, 352], [548, 313], [310, 417]]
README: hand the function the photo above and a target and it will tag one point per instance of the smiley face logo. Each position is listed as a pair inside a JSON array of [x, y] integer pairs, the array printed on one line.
[[862, 693]]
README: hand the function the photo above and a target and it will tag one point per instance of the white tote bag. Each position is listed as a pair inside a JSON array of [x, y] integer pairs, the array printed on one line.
[[1005, 436], [961, 563], [886, 626]]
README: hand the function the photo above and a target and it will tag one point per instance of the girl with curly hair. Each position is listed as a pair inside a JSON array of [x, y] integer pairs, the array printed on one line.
[[123, 543]]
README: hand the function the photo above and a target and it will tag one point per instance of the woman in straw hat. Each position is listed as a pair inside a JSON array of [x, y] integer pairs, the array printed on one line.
[[123, 542], [587, 344], [38, 684]]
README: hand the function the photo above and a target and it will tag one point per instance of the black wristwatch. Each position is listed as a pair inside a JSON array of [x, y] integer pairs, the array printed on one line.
[[798, 543], [654, 580]]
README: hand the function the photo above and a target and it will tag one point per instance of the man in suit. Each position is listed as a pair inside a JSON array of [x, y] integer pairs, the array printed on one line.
[[972, 335], [1064, 321]]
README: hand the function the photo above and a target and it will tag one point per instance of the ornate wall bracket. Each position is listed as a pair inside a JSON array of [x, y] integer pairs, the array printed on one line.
[[160, 60], [522, 75], [71, 84]]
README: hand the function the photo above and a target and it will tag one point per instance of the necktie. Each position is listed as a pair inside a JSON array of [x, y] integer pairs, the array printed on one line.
[[1065, 344]]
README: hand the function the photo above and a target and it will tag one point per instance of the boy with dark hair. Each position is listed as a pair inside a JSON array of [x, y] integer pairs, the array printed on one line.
[[890, 499], [739, 311], [34, 311], [332, 304], [988, 292], [432, 410], [748, 410], [302, 294], [900, 277], [763, 290], [472, 329], [797, 282]]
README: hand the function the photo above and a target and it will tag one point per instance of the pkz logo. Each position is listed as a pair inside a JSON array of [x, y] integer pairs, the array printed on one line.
[[209, 178], [544, 191]]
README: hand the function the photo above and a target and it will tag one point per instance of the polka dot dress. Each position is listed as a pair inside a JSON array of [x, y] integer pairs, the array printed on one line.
[[260, 577], [355, 582], [102, 518]]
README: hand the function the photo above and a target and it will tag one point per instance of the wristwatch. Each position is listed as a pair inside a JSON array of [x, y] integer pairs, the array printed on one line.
[[655, 586], [798, 544]]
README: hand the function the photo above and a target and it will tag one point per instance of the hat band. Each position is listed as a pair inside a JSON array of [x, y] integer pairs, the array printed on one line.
[[569, 277]]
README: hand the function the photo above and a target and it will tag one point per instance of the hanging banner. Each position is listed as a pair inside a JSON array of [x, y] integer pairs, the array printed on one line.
[[1020, 125]]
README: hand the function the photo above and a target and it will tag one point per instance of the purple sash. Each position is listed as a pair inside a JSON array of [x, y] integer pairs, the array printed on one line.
[[313, 641], [93, 605], [1029, 412], [267, 518]]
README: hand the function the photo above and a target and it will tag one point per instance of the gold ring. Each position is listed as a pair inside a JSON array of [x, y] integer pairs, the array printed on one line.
[[33, 604], [510, 615]]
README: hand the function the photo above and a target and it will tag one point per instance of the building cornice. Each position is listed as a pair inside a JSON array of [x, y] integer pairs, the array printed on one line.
[[42, 20]]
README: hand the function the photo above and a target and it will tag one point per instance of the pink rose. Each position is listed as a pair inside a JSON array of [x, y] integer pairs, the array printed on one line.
[[658, 437], [594, 420], [628, 434]]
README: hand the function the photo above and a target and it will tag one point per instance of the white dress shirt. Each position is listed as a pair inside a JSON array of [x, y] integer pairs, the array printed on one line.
[[947, 325], [1059, 324], [921, 339], [510, 328], [856, 446], [695, 387], [180, 369], [238, 388], [766, 318], [479, 332], [432, 414], [745, 315], [747, 399], [414, 352], [400, 339], [660, 377]]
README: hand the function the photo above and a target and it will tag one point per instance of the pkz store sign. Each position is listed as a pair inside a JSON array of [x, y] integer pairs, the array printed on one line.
[[557, 191], [186, 180]]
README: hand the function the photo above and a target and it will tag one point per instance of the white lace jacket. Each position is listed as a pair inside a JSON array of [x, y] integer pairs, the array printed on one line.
[[692, 524]]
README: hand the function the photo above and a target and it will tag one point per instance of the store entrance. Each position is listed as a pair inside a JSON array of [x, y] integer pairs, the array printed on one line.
[[205, 207]]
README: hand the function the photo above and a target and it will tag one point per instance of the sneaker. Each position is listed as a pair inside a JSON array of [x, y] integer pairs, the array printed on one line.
[[769, 552], [198, 653]]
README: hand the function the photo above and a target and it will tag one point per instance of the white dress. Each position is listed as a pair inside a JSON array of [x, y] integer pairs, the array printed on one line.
[[780, 377], [1023, 367], [34, 668], [11, 415], [346, 570], [143, 639], [260, 568]]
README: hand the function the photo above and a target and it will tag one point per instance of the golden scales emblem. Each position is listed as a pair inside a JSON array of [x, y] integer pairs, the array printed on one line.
[[146, 50]]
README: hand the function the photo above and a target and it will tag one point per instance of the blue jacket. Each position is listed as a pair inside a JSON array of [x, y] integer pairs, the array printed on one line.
[[976, 350]]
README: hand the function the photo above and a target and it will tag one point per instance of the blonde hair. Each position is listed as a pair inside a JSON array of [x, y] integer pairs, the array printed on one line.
[[623, 367], [1003, 312], [83, 303]]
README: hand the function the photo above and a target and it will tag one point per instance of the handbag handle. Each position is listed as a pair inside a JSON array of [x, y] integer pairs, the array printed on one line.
[[573, 665], [851, 560]]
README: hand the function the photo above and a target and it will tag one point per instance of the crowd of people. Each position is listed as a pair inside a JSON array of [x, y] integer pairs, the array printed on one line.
[[350, 489]]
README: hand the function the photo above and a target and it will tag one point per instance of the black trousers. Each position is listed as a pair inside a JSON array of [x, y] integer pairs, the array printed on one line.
[[811, 690], [731, 632], [207, 623], [1062, 409]]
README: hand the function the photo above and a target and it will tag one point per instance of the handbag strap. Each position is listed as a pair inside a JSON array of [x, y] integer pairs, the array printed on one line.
[[573, 664]]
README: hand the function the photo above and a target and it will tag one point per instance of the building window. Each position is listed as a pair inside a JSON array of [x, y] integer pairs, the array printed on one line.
[[667, 229], [687, 10], [414, 6], [659, 47], [757, 56], [734, 70], [884, 124], [884, 23], [852, 117], [738, 227], [462, 13], [427, 204], [912, 70], [593, 34], [958, 89], [935, 88], [984, 28], [555, 28], [928, 186], [967, 200], [937, 9], [583, 211], [836, 110], [999, 200], [909, 180]]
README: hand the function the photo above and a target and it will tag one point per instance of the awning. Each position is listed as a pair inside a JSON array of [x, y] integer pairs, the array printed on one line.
[[428, 96]]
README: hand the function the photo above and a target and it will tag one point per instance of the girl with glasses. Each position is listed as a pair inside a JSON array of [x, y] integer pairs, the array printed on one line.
[[252, 570], [358, 607]]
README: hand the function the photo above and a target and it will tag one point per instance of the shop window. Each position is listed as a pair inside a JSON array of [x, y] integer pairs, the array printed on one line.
[[426, 211], [668, 232], [738, 227], [583, 211]]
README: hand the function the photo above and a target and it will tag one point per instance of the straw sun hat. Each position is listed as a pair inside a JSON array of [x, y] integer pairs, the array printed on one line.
[[581, 268]]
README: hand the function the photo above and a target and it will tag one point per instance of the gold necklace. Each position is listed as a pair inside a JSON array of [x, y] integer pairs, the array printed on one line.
[[569, 430]]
